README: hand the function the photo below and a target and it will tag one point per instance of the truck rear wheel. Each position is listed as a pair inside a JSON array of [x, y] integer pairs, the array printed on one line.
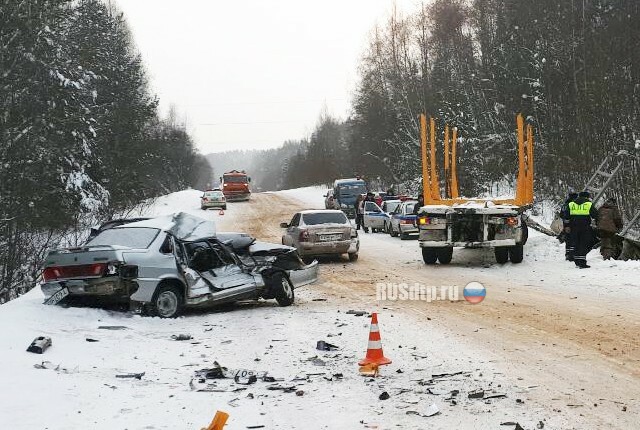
[[502, 254], [445, 254], [429, 255], [516, 253]]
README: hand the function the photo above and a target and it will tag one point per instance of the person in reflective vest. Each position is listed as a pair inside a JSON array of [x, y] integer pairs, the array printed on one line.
[[569, 243], [581, 212]]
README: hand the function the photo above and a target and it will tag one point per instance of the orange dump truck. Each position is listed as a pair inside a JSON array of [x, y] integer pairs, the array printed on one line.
[[235, 185]]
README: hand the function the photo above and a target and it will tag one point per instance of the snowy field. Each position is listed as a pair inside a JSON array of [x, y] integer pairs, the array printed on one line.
[[78, 385]]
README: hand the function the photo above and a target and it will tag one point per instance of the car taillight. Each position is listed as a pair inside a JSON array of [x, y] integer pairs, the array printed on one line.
[[64, 272], [304, 236], [51, 273], [512, 221], [406, 221]]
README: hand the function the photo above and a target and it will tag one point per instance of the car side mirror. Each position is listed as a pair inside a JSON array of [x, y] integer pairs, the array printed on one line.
[[284, 225]]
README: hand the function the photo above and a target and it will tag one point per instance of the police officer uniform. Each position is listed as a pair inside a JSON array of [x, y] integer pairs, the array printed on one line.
[[581, 212]]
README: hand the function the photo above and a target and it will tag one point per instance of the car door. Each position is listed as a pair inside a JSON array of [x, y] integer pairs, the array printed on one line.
[[395, 217], [217, 268], [373, 216], [292, 233]]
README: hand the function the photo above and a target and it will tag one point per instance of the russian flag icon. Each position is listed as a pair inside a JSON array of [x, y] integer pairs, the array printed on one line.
[[474, 292]]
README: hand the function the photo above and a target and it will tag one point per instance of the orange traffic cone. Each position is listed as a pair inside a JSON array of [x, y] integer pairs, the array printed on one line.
[[374, 350], [221, 212]]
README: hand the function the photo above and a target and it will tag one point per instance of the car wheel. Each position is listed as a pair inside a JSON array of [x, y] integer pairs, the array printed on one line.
[[282, 289], [203, 208], [353, 256], [404, 236], [224, 208], [502, 254], [445, 255], [167, 302], [516, 253], [429, 255], [392, 232]]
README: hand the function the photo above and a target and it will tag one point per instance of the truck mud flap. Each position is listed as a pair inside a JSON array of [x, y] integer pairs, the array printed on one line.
[[305, 275]]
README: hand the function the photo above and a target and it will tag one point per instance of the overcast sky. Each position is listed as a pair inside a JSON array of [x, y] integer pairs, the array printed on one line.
[[250, 74]]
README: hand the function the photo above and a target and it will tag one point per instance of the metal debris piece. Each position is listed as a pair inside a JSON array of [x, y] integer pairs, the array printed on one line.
[[432, 410], [137, 376], [113, 327], [384, 395], [476, 394], [321, 345], [181, 337], [39, 345]]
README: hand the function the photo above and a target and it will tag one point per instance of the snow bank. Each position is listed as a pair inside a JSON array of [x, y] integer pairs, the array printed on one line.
[[313, 197]]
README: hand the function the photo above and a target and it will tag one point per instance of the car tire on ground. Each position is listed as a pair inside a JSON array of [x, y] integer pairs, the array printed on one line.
[[224, 208], [404, 236], [203, 208], [167, 301], [282, 289], [445, 254], [353, 256], [502, 254], [516, 253], [429, 255], [392, 232]]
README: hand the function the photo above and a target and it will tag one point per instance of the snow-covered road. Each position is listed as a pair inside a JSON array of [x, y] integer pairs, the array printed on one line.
[[561, 343]]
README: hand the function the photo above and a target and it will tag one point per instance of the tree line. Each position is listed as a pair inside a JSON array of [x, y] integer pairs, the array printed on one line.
[[81, 139], [572, 68]]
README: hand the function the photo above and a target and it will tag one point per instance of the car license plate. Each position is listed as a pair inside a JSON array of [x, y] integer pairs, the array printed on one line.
[[330, 237], [57, 296]]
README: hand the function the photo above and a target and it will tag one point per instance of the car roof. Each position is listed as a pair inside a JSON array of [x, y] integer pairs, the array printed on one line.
[[314, 211]]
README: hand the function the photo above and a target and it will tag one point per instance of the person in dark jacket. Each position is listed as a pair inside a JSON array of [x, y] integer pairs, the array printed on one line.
[[417, 206], [609, 225], [581, 212], [569, 244], [359, 206]]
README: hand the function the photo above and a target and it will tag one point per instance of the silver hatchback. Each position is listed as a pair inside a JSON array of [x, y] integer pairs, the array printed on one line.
[[321, 232]]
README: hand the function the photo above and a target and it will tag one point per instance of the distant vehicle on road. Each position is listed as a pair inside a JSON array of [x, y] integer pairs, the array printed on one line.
[[403, 221], [388, 207], [328, 200], [235, 185], [213, 199], [345, 192], [321, 232], [374, 217], [165, 264]]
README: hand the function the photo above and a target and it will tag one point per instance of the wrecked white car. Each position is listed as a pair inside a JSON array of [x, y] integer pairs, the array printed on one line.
[[162, 265]]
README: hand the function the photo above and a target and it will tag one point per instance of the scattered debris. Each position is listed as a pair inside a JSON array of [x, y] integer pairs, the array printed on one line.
[[255, 427], [446, 375], [321, 345], [290, 389], [370, 369], [113, 327], [137, 376], [476, 394], [356, 313], [181, 337], [300, 393], [39, 345], [432, 410], [384, 396], [496, 396], [318, 300], [540, 425], [49, 365], [91, 340]]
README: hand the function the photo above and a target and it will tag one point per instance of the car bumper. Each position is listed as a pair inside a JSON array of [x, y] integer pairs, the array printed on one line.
[[408, 229], [102, 287], [213, 204], [485, 244], [324, 248]]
